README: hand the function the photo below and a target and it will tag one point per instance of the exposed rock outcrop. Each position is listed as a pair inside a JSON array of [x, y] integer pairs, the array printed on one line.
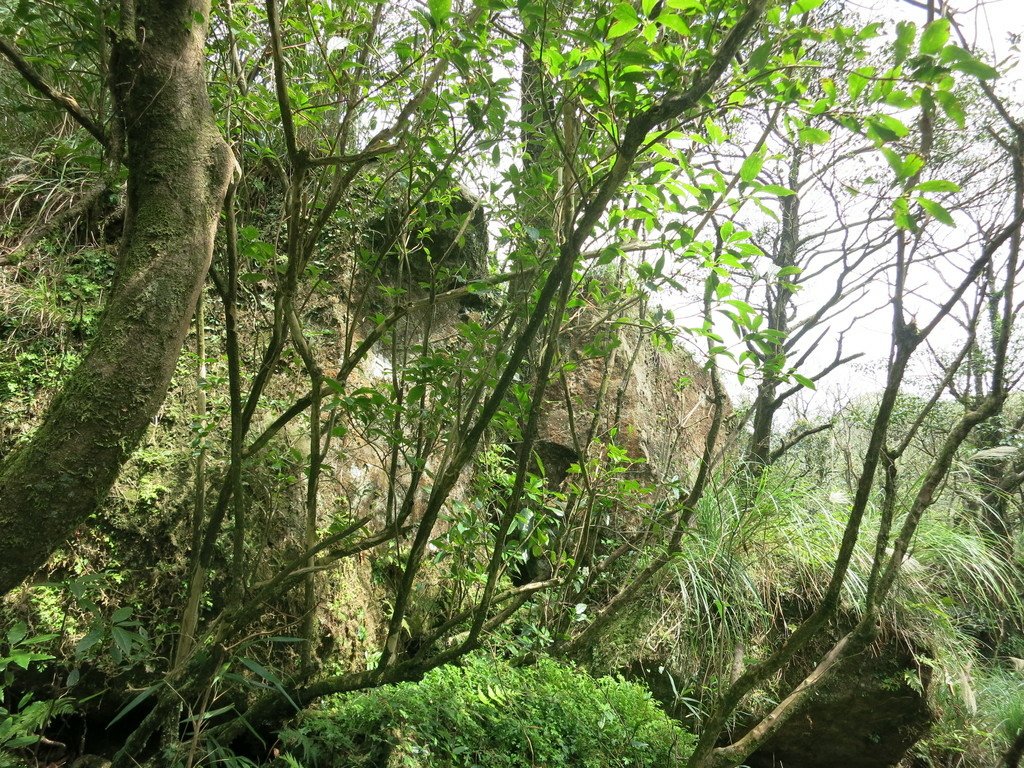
[[652, 401], [868, 715]]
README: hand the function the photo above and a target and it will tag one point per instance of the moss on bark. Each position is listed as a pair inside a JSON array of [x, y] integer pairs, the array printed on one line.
[[178, 170]]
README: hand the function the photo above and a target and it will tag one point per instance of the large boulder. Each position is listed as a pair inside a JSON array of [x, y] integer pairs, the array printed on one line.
[[869, 714], [651, 400]]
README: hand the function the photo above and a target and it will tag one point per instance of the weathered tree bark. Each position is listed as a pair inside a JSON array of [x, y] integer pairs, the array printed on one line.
[[178, 170]]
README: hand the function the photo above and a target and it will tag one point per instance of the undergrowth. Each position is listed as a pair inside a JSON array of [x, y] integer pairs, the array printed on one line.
[[489, 714], [758, 560]]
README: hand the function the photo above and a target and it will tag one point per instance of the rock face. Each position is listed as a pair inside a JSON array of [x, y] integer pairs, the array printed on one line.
[[650, 400], [443, 244], [653, 402], [869, 715], [616, 397]]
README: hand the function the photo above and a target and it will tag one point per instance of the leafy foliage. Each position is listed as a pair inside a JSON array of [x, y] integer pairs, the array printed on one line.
[[490, 714], [447, 216]]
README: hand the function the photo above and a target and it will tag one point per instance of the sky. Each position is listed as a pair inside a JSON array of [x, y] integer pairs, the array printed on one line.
[[989, 20], [992, 21], [996, 27]]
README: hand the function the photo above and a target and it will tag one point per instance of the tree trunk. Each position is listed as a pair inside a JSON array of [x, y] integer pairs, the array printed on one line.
[[178, 170], [780, 300]]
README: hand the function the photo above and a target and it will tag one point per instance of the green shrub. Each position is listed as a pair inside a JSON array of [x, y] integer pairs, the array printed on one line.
[[487, 714], [975, 725]]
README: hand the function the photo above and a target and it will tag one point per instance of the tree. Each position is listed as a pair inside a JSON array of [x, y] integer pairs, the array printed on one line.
[[179, 168]]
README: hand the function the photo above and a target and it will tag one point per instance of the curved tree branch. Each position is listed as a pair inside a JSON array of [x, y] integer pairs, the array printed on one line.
[[62, 100]]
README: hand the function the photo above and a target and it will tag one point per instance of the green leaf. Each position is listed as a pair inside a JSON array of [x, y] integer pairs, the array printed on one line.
[[262, 671], [803, 381], [270, 677], [87, 642], [121, 614], [937, 185], [134, 703], [803, 6], [858, 80], [977, 68], [40, 639], [760, 55], [935, 36], [620, 28], [123, 639], [901, 215], [439, 10], [673, 22], [814, 135], [964, 61], [715, 134], [906, 31], [899, 99], [18, 742], [742, 306], [752, 166], [17, 633], [626, 20], [24, 658], [776, 189], [905, 167], [952, 107], [936, 211], [912, 163], [887, 127]]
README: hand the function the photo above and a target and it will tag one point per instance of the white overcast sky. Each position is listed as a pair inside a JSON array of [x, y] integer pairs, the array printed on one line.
[[989, 24], [994, 27]]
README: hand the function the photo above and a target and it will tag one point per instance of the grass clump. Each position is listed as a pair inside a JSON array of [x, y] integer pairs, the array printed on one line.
[[488, 714], [976, 730]]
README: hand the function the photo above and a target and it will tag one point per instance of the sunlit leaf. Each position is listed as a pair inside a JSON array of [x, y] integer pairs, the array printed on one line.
[[936, 211], [952, 107], [752, 166], [814, 135], [674, 22], [937, 185], [804, 6], [803, 381], [906, 31], [935, 36], [439, 10]]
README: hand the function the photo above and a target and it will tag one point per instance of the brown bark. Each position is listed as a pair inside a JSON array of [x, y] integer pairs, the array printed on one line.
[[780, 299], [178, 171]]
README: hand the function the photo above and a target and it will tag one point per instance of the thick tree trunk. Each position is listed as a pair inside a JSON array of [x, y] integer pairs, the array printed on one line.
[[178, 171]]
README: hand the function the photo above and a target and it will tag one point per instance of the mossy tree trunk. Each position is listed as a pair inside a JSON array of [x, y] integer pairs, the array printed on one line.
[[179, 167]]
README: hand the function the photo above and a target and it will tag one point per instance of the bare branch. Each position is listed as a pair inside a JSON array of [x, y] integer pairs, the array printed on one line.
[[793, 441], [63, 100]]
